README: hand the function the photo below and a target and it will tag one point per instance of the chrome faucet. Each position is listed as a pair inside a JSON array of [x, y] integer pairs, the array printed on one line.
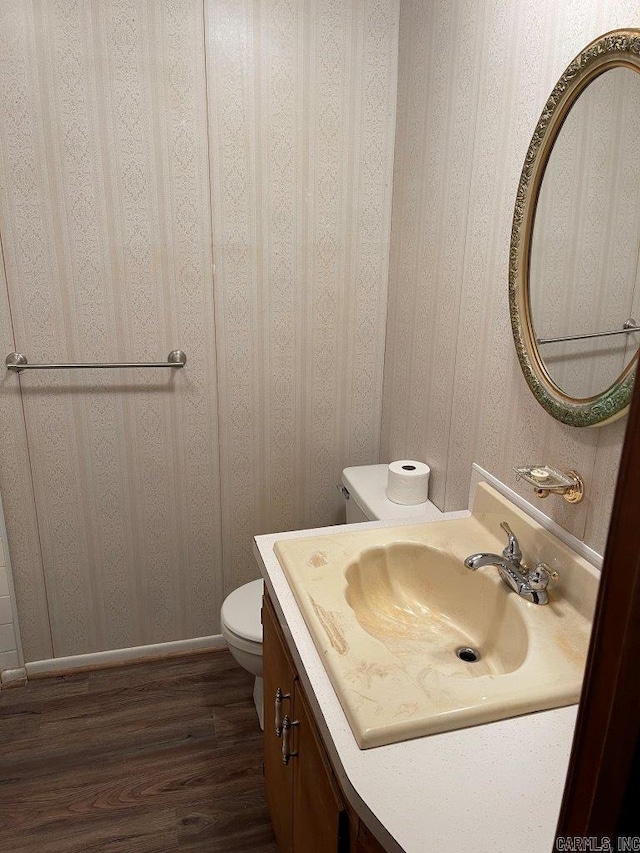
[[529, 583]]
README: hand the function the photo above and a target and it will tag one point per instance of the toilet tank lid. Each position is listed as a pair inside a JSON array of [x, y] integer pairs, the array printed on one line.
[[241, 611], [367, 485]]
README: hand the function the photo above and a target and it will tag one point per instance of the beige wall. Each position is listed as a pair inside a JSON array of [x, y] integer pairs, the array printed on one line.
[[301, 123], [212, 176], [218, 176], [473, 78], [9, 633]]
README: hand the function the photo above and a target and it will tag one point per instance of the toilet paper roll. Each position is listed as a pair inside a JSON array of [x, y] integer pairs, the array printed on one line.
[[408, 482]]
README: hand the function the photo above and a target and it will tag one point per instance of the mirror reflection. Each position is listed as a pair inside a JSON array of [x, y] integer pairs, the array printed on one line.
[[584, 262]]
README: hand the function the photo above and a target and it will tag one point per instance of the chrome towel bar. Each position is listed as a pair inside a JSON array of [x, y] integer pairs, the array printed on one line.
[[630, 326], [17, 362]]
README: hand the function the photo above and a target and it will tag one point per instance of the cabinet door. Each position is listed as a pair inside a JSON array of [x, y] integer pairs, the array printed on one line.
[[320, 820], [278, 674], [364, 841]]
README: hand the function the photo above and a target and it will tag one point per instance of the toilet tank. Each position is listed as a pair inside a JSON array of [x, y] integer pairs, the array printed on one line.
[[365, 492]]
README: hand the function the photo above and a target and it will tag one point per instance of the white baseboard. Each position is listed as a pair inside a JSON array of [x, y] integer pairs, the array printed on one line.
[[136, 654], [13, 678]]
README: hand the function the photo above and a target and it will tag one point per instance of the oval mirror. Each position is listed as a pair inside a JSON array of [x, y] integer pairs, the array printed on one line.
[[574, 271]]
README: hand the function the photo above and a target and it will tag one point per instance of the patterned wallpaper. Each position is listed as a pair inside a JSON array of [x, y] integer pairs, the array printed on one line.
[[214, 176], [217, 175], [301, 122], [454, 392], [9, 631]]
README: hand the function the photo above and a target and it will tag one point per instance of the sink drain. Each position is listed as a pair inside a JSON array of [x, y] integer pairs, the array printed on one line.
[[467, 654]]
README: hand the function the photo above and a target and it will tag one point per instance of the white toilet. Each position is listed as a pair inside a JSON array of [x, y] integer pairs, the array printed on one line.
[[242, 629], [364, 490]]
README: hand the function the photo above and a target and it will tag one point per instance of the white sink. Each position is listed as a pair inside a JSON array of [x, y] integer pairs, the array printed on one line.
[[390, 608]]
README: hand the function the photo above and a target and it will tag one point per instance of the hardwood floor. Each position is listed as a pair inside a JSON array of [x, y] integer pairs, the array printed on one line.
[[140, 759]]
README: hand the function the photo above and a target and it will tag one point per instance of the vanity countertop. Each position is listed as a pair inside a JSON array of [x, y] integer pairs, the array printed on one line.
[[492, 788]]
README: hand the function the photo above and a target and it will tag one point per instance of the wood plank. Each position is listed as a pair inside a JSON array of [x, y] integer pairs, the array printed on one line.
[[141, 831], [146, 758]]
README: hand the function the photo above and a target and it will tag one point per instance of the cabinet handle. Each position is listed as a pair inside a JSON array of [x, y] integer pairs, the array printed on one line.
[[278, 712], [287, 725]]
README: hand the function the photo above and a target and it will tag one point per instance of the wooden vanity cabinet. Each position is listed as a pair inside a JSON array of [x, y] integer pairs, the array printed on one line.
[[320, 818], [279, 678], [308, 810]]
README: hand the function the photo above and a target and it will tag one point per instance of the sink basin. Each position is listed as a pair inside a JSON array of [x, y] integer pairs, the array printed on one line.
[[424, 607], [414, 643]]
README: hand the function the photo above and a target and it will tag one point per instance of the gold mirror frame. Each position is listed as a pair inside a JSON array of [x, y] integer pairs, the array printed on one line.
[[619, 48]]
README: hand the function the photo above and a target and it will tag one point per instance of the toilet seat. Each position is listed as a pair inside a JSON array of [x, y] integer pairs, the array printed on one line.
[[241, 643], [240, 615]]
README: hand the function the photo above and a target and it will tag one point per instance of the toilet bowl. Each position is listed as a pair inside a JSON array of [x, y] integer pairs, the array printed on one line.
[[241, 625]]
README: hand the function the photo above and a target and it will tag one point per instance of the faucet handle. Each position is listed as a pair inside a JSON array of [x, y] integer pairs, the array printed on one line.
[[539, 578], [543, 567], [512, 551]]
